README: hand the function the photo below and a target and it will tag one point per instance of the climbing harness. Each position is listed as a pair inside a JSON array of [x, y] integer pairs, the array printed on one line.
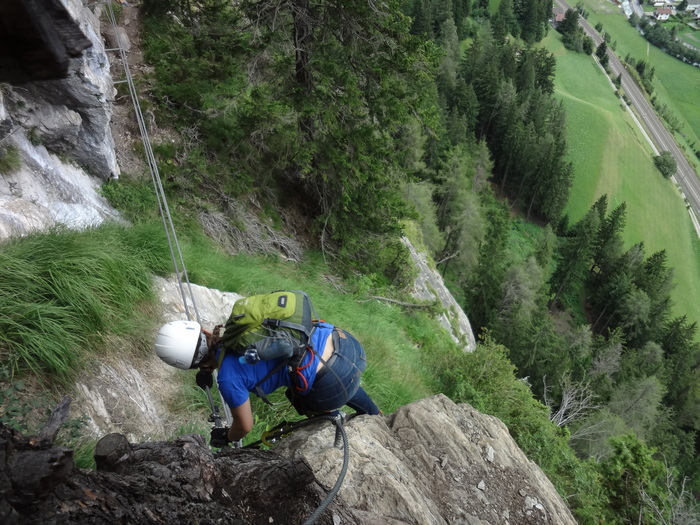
[[173, 244]]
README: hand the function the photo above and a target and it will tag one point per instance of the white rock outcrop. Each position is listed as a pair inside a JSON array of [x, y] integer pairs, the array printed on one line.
[[61, 130]]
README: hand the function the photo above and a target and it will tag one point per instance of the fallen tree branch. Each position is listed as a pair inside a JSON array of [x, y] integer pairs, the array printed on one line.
[[394, 301], [58, 416]]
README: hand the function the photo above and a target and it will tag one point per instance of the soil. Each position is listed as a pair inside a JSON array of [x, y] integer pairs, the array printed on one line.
[[125, 120]]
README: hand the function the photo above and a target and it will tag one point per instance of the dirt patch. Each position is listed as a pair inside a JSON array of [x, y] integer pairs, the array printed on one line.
[[125, 119]]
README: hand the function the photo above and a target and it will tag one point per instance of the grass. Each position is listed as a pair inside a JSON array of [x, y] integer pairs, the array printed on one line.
[[61, 290], [675, 83], [10, 160], [689, 35], [611, 157], [395, 374]]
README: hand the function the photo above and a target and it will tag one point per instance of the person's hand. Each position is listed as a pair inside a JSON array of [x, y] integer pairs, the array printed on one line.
[[219, 437], [204, 379]]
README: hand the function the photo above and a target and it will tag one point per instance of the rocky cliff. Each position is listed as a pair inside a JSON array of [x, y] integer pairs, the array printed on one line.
[[431, 462], [60, 129]]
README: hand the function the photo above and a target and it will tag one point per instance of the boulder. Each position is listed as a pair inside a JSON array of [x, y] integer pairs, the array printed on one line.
[[431, 462]]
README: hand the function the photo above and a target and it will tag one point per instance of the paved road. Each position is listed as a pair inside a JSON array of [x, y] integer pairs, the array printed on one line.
[[650, 124]]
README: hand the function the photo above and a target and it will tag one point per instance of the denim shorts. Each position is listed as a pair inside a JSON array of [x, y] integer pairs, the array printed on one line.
[[338, 381]]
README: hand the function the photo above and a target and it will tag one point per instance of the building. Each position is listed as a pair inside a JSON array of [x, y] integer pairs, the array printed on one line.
[[662, 13], [558, 15]]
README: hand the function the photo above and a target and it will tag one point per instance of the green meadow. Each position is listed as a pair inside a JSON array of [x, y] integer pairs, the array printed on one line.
[[675, 83], [611, 156]]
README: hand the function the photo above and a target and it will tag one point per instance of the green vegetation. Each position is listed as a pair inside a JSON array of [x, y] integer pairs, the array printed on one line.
[[675, 83], [666, 164], [611, 157], [10, 159], [61, 290]]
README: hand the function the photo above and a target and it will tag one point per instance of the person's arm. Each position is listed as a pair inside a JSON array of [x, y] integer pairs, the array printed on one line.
[[242, 421]]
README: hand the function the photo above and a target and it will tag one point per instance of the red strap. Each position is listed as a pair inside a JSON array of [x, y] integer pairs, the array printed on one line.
[[306, 383]]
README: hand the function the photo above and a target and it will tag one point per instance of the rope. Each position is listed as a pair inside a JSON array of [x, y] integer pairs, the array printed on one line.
[[173, 244], [346, 459]]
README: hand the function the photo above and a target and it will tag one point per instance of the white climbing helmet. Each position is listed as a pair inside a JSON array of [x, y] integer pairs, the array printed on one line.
[[181, 344]]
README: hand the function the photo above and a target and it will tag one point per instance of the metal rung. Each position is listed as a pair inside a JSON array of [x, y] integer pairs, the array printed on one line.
[[119, 81]]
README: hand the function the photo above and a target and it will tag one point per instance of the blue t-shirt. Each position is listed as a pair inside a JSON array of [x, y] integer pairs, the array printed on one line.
[[236, 380]]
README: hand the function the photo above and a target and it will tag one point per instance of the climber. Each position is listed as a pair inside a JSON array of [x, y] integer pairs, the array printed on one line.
[[331, 373]]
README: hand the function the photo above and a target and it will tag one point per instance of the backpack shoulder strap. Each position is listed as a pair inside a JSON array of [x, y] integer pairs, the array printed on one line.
[[258, 389]]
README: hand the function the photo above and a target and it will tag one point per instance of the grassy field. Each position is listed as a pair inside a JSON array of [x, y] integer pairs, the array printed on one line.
[[690, 36], [611, 157], [675, 83]]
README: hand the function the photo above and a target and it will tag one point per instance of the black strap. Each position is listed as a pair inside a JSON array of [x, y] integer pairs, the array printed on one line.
[[277, 323], [259, 391]]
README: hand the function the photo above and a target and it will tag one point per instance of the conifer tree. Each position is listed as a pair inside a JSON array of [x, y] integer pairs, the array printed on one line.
[[574, 256], [483, 293]]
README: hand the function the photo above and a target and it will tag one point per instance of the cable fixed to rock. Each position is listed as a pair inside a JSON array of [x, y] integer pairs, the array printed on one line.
[[173, 244]]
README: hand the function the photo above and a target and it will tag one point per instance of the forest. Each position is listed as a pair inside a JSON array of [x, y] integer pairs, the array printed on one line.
[[363, 116]]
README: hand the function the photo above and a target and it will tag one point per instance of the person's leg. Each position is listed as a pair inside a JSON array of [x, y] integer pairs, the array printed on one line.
[[363, 404]]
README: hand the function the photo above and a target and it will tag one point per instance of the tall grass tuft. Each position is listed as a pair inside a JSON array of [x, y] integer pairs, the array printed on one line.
[[10, 159], [62, 291]]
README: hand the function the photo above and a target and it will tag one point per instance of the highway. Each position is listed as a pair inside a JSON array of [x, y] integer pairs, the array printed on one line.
[[651, 125]]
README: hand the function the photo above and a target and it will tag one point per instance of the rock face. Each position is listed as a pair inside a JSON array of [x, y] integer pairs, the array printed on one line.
[[430, 286], [432, 462], [60, 128], [132, 397]]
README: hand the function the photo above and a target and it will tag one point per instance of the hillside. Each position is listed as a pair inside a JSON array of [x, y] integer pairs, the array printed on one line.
[[397, 136], [613, 158], [469, 450]]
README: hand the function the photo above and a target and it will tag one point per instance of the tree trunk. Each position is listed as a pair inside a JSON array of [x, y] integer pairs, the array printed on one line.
[[177, 481]]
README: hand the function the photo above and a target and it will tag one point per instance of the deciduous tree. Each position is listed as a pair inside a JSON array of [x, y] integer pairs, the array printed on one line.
[[665, 162]]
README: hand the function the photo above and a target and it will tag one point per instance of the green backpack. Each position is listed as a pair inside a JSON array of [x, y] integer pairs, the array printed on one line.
[[270, 326], [277, 324]]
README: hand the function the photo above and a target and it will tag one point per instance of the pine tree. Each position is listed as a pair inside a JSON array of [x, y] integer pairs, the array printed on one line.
[[483, 293], [602, 53], [349, 76], [570, 23], [682, 354], [574, 256], [609, 244], [422, 19]]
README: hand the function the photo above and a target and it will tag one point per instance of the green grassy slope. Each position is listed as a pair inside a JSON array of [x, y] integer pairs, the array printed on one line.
[[612, 157], [675, 83]]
